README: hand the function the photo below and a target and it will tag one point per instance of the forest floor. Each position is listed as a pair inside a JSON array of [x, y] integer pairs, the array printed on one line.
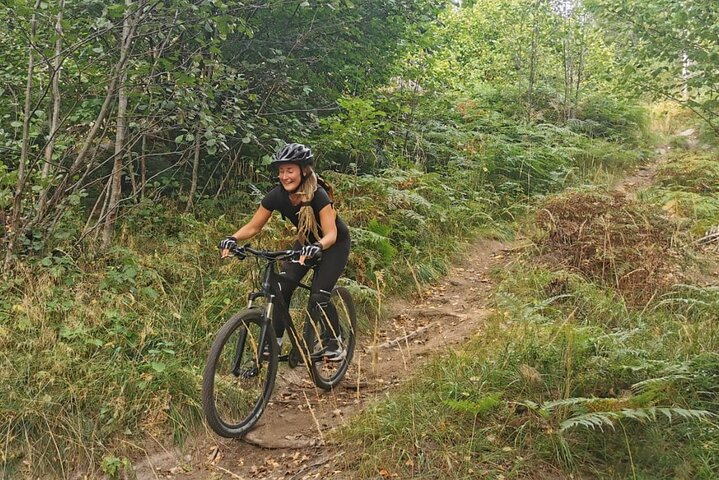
[[294, 438]]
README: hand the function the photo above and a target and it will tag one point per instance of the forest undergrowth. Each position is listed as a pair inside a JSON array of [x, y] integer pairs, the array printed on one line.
[[135, 136], [600, 360], [103, 350]]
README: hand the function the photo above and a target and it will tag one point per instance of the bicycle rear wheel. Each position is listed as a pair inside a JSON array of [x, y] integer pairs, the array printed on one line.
[[327, 374], [239, 375]]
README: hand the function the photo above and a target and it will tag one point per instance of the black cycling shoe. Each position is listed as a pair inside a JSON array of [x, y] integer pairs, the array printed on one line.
[[335, 351], [251, 372]]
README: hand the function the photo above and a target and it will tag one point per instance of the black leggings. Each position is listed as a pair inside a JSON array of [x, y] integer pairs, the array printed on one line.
[[333, 263]]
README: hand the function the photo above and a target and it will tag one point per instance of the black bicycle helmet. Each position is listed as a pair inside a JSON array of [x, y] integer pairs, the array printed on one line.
[[293, 153]]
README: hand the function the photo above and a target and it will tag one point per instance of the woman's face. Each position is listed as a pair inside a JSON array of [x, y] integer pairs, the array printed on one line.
[[290, 176]]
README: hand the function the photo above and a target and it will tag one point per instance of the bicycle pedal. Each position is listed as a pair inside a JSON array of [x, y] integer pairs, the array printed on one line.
[[250, 373]]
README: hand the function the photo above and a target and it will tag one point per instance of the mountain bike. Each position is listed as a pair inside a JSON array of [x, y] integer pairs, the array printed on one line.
[[242, 364]]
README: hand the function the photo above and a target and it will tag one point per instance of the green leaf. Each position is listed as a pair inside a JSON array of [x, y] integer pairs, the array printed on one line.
[[159, 367], [150, 292]]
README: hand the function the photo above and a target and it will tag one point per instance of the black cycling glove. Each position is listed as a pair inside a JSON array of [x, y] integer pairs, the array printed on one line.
[[229, 243], [311, 251]]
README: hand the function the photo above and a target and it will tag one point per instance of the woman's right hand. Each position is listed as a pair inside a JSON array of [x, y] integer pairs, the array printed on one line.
[[226, 245]]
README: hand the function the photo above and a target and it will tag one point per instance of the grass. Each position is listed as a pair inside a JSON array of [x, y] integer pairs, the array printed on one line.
[[544, 393], [687, 189]]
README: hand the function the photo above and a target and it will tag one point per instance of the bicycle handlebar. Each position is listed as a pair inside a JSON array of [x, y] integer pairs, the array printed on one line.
[[270, 255]]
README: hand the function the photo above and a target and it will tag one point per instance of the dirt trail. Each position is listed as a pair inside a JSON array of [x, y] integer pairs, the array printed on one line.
[[644, 176], [291, 441]]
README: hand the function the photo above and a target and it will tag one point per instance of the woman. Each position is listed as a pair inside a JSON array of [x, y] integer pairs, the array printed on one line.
[[300, 198]]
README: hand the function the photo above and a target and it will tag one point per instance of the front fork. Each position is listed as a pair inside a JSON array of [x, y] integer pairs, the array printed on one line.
[[242, 340]]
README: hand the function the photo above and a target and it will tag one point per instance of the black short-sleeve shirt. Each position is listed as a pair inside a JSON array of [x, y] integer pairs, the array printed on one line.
[[279, 199]]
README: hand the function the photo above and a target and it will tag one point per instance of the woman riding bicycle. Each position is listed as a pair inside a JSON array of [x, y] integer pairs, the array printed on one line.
[[300, 198]]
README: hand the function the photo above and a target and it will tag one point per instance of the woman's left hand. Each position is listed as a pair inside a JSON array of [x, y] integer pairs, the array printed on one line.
[[310, 251]]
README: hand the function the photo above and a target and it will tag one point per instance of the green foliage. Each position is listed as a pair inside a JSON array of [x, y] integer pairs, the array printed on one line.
[[698, 173], [145, 336], [522, 158], [692, 302], [607, 419], [607, 117], [430, 144], [478, 407], [687, 189], [113, 466], [667, 49], [702, 210], [209, 96], [351, 136]]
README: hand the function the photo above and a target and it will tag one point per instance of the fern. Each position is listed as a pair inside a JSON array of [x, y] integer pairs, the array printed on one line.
[[653, 384], [592, 420], [478, 407], [376, 242], [565, 402], [413, 216], [600, 420], [408, 199]]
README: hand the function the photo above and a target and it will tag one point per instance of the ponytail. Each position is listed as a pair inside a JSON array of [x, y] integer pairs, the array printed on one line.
[[307, 224]]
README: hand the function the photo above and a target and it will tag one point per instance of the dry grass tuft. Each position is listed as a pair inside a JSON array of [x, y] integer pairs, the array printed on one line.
[[611, 240]]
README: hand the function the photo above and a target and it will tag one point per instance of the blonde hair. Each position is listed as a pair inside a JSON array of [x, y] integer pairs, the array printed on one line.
[[307, 224]]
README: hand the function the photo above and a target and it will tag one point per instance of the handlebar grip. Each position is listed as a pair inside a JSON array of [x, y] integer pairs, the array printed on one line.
[[239, 252]]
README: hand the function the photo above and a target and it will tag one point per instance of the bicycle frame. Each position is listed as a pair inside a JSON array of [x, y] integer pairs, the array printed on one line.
[[237, 384], [269, 291]]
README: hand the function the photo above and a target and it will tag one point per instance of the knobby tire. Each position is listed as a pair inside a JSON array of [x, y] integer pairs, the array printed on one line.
[[326, 375], [233, 401]]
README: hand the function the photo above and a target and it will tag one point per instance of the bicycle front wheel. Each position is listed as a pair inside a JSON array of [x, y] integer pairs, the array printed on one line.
[[327, 372], [240, 374]]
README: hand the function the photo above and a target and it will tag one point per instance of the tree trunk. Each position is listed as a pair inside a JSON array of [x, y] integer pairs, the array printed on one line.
[[55, 75], [131, 174], [228, 171], [116, 177], [533, 61], [568, 82], [17, 203], [195, 170], [60, 191], [143, 166], [580, 77], [685, 76]]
